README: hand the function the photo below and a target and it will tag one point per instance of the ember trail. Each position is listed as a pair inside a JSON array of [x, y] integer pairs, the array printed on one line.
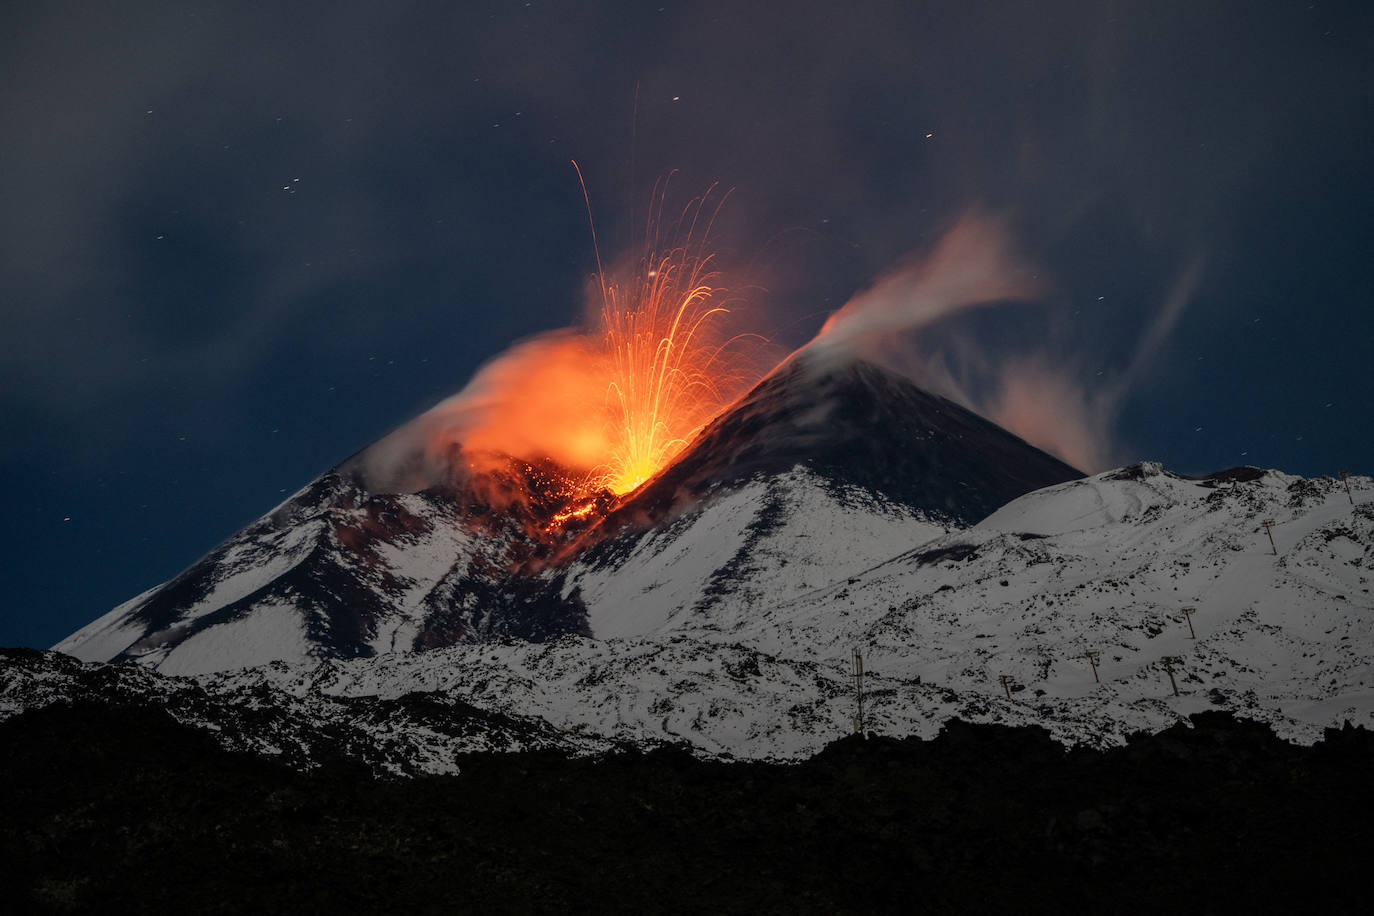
[[601, 407], [670, 364]]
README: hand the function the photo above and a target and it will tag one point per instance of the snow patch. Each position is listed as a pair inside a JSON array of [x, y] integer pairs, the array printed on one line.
[[271, 631]]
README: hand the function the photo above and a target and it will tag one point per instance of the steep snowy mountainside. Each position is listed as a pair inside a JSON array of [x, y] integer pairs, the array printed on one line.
[[1287, 639], [204, 594], [1108, 565], [768, 541], [341, 572], [1105, 565]]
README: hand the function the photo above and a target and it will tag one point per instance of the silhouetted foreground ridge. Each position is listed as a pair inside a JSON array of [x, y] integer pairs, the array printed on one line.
[[122, 809]]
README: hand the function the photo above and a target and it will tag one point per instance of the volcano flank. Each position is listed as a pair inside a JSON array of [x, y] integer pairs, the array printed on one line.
[[857, 425], [339, 571]]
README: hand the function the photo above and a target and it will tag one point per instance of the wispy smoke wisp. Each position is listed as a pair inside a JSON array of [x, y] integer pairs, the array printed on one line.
[[973, 263], [1051, 410], [1038, 395]]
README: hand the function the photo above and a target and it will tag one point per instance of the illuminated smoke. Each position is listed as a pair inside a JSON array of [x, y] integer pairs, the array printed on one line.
[[974, 263], [1051, 410], [1038, 395], [613, 403], [529, 402]]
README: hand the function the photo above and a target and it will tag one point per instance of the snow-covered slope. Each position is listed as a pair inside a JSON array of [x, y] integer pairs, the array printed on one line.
[[1107, 565], [337, 571], [769, 541]]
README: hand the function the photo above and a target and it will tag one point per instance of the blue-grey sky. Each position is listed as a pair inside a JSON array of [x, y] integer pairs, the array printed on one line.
[[240, 241]]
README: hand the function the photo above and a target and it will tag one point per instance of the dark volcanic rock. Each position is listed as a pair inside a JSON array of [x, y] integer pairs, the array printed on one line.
[[409, 734], [127, 810]]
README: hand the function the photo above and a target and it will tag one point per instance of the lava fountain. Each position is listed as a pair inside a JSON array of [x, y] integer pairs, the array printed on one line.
[[671, 365], [609, 403]]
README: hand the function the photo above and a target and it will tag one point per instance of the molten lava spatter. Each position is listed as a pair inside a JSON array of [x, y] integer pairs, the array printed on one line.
[[663, 365], [610, 403], [671, 365]]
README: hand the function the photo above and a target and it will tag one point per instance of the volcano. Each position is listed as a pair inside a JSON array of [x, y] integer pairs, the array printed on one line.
[[830, 465], [834, 508]]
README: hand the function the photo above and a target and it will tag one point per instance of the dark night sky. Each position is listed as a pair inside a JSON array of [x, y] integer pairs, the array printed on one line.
[[241, 241]]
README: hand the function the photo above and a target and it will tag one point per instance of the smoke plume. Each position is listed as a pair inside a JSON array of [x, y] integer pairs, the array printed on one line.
[[530, 401], [1039, 395], [973, 263]]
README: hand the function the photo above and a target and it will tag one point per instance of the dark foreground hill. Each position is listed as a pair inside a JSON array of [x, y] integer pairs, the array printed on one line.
[[124, 810]]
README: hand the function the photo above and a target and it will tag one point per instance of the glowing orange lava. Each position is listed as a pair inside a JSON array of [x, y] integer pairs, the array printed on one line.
[[613, 402], [568, 515], [671, 366]]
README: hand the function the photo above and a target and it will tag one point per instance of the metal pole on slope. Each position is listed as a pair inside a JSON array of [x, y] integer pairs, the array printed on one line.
[[1345, 478], [1188, 613], [1006, 684], [859, 691], [1169, 661], [1268, 529], [1092, 656]]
